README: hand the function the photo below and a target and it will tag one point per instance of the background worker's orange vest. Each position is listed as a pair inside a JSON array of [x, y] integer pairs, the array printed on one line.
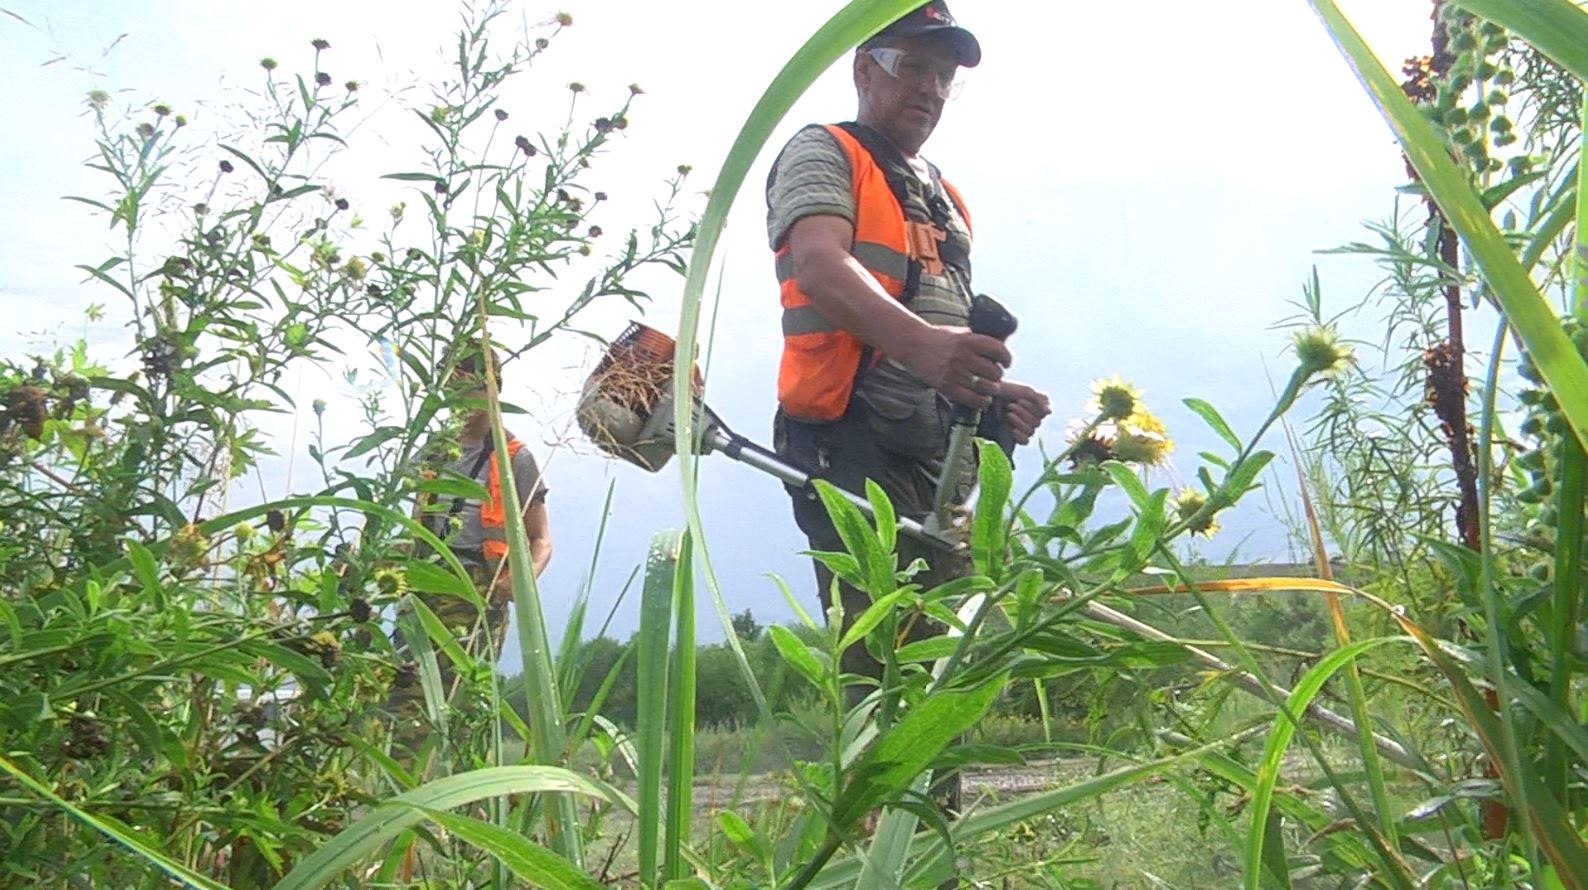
[[493, 515], [820, 362]]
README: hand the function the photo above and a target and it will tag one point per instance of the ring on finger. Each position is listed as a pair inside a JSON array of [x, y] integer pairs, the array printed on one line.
[[975, 382]]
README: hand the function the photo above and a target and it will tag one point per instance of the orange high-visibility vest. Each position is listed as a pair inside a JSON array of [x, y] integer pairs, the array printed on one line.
[[820, 362], [493, 514]]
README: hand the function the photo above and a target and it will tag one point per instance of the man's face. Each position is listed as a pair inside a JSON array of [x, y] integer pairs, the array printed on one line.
[[901, 95]]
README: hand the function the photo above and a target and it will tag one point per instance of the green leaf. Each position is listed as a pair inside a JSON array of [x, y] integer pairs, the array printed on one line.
[[1149, 526], [741, 835], [530, 861], [1127, 479], [1240, 481], [441, 636], [681, 716], [887, 521], [929, 649], [415, 177], [876, 565], [799, 656], [144, 567], [389, 820], [1211, 415], [919, 738], [306, 669], [431, 578], [374, 440], [455, 486], [988, 530], [871, 617]]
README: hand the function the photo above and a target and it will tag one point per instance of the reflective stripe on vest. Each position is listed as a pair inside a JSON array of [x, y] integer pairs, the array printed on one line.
[[493, 518], [817, 373]]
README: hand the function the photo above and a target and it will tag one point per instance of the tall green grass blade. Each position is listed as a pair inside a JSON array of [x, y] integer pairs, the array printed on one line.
[[430, 685], [568, 672], [1496, 648], [1579, 254], [1525, 309], [545, 706], [1569, 531], [178, 872], [524, 858], [1558, 28], [1001, 816], [855, 22], [1273, 847], [1371, 765], [1279, 740], [1549, 825], [403, 812], [681, 753], [650, 731]]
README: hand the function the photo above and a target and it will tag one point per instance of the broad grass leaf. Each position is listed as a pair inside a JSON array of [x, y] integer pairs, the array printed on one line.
[[405, 811], [1279, 740], [524, 858]]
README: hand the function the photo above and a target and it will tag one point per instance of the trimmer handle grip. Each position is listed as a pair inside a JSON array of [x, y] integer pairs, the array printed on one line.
[[991, 318]]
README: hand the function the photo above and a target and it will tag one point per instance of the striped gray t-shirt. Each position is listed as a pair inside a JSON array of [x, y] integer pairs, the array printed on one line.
[[811, 178]]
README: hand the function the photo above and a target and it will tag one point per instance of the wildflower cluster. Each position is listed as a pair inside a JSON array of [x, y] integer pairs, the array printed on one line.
[[1124, 429]]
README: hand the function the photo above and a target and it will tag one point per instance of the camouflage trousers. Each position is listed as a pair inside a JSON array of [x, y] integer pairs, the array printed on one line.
[[478, 634]]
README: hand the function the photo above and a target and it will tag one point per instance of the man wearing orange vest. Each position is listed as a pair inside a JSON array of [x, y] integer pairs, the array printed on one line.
[[475, 530], [872, 253]]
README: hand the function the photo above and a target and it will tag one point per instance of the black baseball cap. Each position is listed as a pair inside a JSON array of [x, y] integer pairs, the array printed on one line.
[[934, 18]]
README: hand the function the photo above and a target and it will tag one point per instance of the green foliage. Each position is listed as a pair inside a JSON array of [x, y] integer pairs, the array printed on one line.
[[223, 687], [188, 696]]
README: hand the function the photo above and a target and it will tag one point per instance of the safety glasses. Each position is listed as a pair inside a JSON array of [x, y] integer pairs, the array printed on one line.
[[917, 69]]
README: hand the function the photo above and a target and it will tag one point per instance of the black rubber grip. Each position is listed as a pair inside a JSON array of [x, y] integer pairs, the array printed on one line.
[[989, 317]]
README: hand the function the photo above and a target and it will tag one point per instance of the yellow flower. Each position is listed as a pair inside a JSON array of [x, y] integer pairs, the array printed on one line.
[[1143, 447], [1113, 399], [1142, 439], [1187, 504], [188, 546], [1142, 421], [1319, 351], [391, 582]]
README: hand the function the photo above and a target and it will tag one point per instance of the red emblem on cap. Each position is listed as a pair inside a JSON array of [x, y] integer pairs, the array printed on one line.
[[938, 14]]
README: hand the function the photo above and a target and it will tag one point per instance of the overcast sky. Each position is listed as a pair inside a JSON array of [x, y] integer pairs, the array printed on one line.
[[1149, 180]]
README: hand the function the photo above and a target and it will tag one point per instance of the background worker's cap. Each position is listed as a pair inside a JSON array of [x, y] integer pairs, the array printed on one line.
[[934, 18]]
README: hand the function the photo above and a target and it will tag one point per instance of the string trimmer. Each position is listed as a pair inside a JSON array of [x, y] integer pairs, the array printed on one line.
[[626, 409]]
